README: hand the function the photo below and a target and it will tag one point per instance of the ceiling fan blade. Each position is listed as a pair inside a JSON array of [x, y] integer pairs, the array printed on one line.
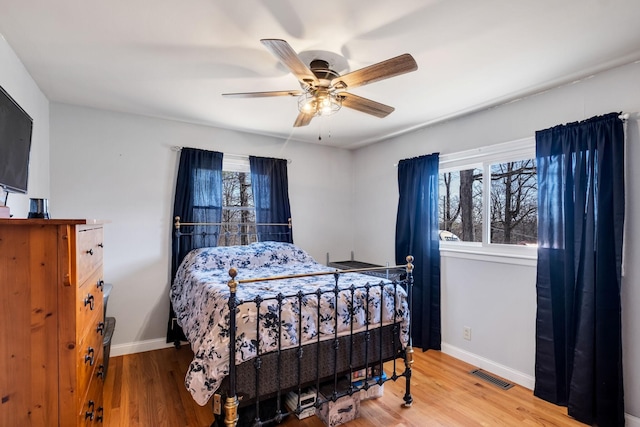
[[303, 119], [285, 53], [263, 94], [382, 70], [365, 105]]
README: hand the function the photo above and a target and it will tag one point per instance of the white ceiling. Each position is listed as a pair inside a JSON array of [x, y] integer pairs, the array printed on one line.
[[173, 59]]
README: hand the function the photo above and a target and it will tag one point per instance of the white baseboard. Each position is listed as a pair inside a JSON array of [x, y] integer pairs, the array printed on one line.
[[507, 373], [139, 347], [631, 421]]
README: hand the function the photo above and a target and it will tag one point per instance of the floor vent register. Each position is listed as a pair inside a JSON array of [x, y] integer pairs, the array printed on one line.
[[491, 379]]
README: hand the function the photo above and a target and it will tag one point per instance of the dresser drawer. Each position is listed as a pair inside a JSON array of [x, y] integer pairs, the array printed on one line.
[[89, 364], [92, 407], [91, 335], [89, 247], [89, 304], [92, 331]]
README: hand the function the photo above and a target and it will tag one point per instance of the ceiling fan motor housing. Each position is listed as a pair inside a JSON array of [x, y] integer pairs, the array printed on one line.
[[321, 70]]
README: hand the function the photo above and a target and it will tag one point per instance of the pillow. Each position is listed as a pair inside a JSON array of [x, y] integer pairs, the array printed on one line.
[[278, 253], [254, 255]]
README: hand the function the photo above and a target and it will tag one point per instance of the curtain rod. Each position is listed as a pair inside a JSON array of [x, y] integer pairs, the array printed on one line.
[[246, 156], [624, 116]]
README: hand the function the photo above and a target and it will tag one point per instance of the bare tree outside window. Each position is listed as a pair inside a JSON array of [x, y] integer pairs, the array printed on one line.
[[514, 202], [461, 204], [238, 210]]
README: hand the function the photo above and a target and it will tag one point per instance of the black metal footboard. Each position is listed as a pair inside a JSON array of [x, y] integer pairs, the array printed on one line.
[[322, 363]]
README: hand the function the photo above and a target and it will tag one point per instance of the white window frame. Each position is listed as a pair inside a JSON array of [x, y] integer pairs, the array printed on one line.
[[482, 158], [235, 163]]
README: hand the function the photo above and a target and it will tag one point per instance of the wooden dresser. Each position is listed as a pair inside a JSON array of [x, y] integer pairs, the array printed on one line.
[[51, 322]]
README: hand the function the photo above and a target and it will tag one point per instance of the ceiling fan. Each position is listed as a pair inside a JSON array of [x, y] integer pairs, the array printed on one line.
[[324, 91]]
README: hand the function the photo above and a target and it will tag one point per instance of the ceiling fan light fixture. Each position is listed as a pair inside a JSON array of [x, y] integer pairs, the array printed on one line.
[[321, 103]]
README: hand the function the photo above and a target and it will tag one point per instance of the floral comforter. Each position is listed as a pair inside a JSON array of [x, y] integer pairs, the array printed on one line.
[[200, 299]]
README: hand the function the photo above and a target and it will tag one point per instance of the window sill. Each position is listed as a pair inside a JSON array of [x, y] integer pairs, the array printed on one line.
[[502, 254]]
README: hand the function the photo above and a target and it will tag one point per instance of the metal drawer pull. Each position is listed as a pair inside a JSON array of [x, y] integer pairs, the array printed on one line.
[[100, 245], [90, 251], [100, 373], [100, 284], [89, 414], [99, 417], [89, 356], [100, 328], [89, 300]]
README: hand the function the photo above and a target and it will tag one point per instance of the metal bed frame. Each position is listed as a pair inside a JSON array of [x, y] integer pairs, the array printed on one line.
[[348, 353]]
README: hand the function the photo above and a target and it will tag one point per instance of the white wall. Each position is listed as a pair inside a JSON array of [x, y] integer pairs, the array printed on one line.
[[122, 168], [498, 300], [17, 82]]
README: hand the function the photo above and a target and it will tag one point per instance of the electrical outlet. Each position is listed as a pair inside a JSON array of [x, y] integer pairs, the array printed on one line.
[[466, 333]]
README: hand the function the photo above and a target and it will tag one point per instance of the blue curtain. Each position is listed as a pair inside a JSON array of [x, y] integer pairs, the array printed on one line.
[[580, 231], [198, 198], [417, 235], [270, 186]]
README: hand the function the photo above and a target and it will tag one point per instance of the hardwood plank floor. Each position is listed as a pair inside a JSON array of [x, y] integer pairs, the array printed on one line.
[[147, 389]]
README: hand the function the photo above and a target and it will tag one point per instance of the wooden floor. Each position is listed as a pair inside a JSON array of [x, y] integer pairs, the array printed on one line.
[[147, 389]]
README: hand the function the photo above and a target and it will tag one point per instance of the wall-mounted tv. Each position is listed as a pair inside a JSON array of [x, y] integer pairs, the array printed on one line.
[[15, 144]]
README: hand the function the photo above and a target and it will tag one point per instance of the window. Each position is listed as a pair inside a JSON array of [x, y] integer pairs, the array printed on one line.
[[238, 209], [514, 203], [461, 205], [489, 196]]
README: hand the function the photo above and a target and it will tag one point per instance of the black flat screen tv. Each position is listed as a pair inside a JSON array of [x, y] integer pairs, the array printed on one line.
[[16, 127]]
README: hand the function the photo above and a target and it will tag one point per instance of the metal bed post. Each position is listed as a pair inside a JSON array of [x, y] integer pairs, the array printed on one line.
[[231, 402], [258, 361], [367, 335], [408, 361], [336, 342]]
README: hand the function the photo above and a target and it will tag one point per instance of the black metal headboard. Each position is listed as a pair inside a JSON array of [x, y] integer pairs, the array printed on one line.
[[230, 234]]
